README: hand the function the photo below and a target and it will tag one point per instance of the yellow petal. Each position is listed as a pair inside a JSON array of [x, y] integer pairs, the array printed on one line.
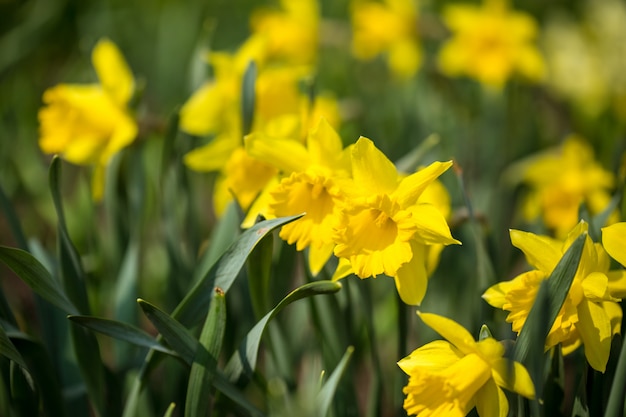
[[371, 168], [318, 256], [541, 252], [594, 326], [614, 311], [491, 401], [343, 269], [451, 331], [113, 71], [285, 154], [324, 144], [432, 227], [614, 241], [412, 278], [496, 294], [213, 156], [617, 283], [514, 377], [434, 356], [411, 187], [595, 286], [204, 112]]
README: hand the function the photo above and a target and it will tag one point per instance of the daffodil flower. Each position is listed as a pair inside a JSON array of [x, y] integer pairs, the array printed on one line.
[[450, 377], [560, 180], [387, 27], [490, 43], [88, 124], [591, 313], [384, 229], [313, 173]]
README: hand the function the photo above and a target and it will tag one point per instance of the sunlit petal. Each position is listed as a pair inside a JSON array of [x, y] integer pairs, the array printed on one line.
[[614, 241], [513, 377], [113, 71], [541, 252], [412, 279], [451, 331], [595, 330], [371, 168], [412, 186], [491, 401]]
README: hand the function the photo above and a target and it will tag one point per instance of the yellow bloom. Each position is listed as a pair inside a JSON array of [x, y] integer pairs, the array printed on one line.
[[88, 124], [384, 228], [614, 241], [590, 314], [450, 377], [490, 43], [312, 185], [291, 32], [561, 180], [387, 27]]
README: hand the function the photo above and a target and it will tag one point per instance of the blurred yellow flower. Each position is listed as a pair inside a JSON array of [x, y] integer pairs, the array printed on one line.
[[313, 173], [561, 180], [450, 377], [384, 229], [591, 314], [88, 124], [388, 27], [291, 32], [614, 242], [585, 58], [490, 43]]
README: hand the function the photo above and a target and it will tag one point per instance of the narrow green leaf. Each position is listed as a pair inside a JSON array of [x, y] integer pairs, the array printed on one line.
[[246, 356], [33, 273], [175, 334], [224, 271], [121, 331], [168, 141], [170, 410], [615, 404], [248, 97], [182, 341], [205, 359], [7, 348], [411, 161], [327, 393], [90, 364], [72, 273], [23, 392], [126, 294], [529, 347]]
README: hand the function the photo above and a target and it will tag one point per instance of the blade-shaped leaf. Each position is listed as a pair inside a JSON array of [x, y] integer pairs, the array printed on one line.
[[224, 271], [33, 273], [615, 403], [529, 347], [121, 331], [7, 348], [182, 341], [245, 358], [248, 97], [327, 393], [205, 359]]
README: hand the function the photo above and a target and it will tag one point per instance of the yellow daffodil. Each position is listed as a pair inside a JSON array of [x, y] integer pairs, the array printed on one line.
[[388, 27], [590, 314], [384, 229], [88, 124], [450, 377], [291, 32], [561, 180], [312, 173], [490, 43]]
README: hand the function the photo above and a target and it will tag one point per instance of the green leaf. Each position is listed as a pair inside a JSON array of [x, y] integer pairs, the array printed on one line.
[[223, 273], [248, 97], [90, 364], [259, 276], [182, 341], [615, 403], [529, 347], [245, 358], [33, 273], [7, 348], [205, 358], [327, 393], [170, 410], [121, 331]]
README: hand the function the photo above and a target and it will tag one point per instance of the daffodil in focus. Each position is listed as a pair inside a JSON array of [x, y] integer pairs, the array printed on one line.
[[384, 229], [614, 241], [291, 31], [450, 377], [390, 28], [88, 124], [591, 314], [561, 180], [490, 43], [312, 183]]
